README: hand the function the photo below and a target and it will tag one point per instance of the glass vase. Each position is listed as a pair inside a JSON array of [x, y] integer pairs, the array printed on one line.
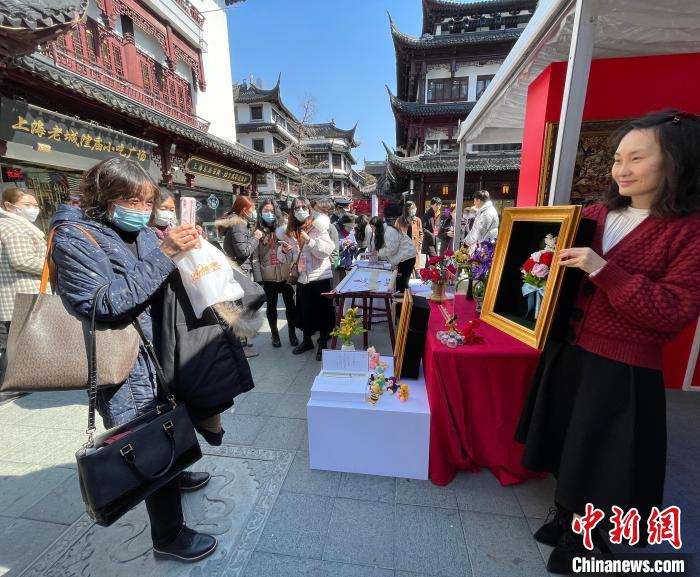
[[438, 295], [348, 346]]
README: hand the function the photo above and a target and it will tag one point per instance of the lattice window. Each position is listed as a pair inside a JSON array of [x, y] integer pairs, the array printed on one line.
[[106, 54], [91, 36], [77, 42], [146, 76], [118, 61]]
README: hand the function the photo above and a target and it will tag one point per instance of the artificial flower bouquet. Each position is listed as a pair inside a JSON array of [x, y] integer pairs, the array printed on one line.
[[535, 271], [440, 269], [479, 264], [350, 325]]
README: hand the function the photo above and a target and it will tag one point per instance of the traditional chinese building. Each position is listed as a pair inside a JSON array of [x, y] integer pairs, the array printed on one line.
[[148, 80], [321, 157], [266, 125], [439, 77]]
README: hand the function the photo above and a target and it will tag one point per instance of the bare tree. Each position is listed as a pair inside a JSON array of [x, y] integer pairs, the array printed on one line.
[[311, 183]]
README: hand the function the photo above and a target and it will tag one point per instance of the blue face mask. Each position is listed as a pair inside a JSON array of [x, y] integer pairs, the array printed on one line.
[[254, 216], [268, 217], [129, 219]]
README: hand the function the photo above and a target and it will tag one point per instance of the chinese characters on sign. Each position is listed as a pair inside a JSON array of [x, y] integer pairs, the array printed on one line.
[[661, 526], [27, 124], [196, 165]]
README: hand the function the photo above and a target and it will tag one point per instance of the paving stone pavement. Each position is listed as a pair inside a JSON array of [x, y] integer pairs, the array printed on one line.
[[273, 515]]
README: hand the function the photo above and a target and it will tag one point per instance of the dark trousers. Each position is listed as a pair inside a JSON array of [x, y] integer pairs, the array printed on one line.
[[403, 275], [165, 512], [4, 332], [272, 291]]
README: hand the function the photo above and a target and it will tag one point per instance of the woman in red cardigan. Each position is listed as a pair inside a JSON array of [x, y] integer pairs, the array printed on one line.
[[596, 417]]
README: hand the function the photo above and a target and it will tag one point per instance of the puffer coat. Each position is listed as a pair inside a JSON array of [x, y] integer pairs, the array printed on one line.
[[127, 284]]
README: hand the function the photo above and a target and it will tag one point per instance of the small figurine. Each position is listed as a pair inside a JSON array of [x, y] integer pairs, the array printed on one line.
[[391, 387], [403, 392], [374, 358], [470, 335]]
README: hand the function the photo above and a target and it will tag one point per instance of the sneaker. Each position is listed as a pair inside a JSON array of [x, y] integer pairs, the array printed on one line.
[[554, 527], [188, 546]]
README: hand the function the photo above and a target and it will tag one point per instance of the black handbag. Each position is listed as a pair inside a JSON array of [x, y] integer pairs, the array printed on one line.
[[120, 468]]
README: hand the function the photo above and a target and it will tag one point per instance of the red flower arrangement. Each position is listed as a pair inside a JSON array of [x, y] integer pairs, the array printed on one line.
[[439, 269]]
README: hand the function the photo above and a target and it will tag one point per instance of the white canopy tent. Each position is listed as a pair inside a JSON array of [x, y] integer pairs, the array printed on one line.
[[576, 31]]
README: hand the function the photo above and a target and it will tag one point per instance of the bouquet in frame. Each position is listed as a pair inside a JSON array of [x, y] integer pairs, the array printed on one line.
[[535, 271]]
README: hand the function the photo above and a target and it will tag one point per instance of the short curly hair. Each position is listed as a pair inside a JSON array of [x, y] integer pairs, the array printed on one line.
[[115, 179]]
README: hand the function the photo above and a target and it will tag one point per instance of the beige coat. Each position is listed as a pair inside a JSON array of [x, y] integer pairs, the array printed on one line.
[[22, 253]]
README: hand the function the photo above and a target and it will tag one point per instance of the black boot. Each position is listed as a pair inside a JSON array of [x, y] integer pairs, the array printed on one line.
[[276, 339], [554, 527], [319, 351], [561, 558], [188, 546], [303, 347], [191, 481], [293, 340]]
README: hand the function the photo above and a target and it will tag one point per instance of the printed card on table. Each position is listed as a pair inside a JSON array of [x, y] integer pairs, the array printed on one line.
[[345, 361]]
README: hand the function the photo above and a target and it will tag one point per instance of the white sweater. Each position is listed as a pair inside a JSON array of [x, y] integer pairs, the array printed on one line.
[[398, 246]]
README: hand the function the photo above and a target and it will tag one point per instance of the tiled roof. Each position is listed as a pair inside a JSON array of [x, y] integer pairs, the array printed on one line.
[[40, 14], [64, 79], [249, 93], [435, 11], [403, 40], [330, 130], [460, 109], [448, 163]]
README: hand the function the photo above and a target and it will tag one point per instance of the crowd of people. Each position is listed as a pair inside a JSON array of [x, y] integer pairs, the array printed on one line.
[[594, 429]]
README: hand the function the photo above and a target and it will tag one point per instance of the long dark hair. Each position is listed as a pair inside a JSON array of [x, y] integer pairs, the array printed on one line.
[[115, 179], [361, 227], [292, 224], [678, 135], [378, 237]]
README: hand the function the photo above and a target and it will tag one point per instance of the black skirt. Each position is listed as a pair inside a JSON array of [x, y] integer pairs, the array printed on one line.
[[599, 426], [314, 312]]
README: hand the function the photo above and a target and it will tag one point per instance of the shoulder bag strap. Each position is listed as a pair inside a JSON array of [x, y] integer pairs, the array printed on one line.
[[301, 248]]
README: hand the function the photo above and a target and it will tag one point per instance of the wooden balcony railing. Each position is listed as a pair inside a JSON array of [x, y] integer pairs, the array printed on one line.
[[191, 11], [98, 54]]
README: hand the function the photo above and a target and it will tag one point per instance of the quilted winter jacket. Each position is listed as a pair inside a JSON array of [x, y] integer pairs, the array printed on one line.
[[239, 243], [316, 253], [397, 248], [130, 283]]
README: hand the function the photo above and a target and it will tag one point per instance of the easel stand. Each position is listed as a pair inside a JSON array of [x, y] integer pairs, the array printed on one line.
[[368, 311]]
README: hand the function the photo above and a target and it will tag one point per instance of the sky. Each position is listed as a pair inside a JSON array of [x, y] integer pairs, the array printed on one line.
[[337, 52]]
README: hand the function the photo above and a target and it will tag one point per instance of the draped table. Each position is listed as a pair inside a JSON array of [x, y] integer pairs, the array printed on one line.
[[476, 393]]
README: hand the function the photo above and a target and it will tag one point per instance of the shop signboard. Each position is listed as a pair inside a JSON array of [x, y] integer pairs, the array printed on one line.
[[202, 167], [47, 131]]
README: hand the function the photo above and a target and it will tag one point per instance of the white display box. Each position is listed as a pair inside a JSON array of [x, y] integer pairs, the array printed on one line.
[[340, 387], [390, 438]]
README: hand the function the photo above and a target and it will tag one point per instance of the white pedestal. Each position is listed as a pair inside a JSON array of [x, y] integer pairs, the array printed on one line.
[[390, 438]]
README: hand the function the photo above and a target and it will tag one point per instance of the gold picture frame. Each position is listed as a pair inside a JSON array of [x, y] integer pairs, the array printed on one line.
[[402, 332], [593, 161], [521, 233]]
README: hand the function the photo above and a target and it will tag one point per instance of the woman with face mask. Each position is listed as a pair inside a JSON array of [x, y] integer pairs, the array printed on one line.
[[22, 250], [241, 238], [415, 231], [125, 272], [272, 273], [308, 243], [164, 217]]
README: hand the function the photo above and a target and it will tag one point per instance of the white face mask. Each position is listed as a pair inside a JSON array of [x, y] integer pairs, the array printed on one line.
[[164, 217], [29, 212], [301, 214]]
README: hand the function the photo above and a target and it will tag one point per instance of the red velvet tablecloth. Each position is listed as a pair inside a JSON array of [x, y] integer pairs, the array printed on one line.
[[476, 394]]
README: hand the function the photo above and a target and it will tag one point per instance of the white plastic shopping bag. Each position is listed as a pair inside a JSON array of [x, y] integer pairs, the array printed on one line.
[[208, 277]]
